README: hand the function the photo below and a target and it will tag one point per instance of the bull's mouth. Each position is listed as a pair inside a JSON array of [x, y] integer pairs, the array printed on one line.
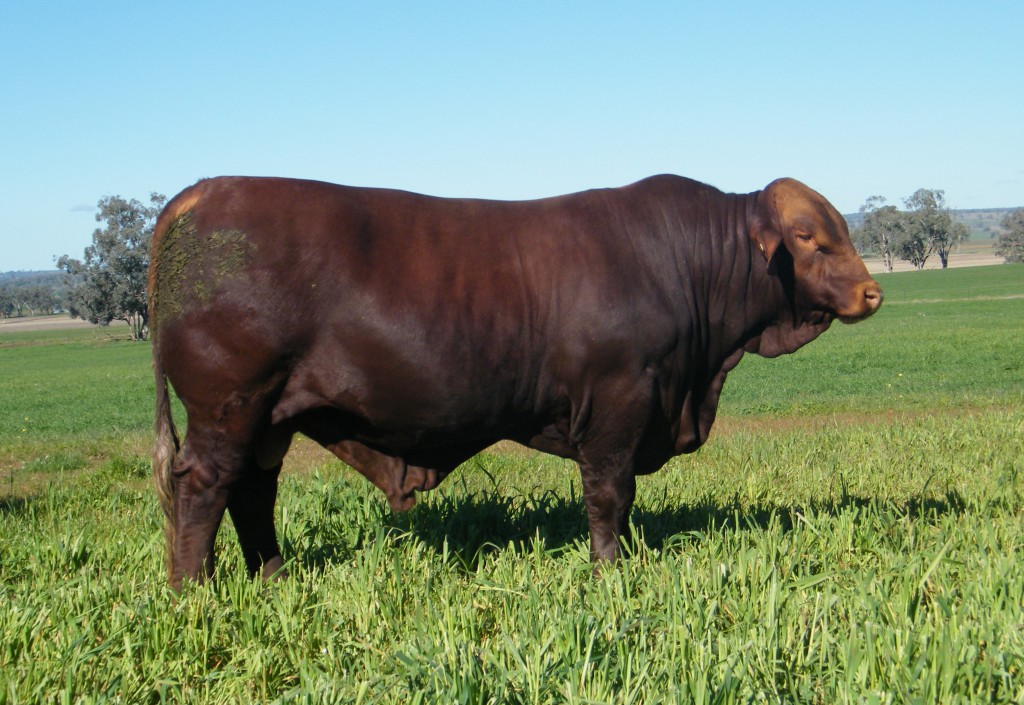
[[848, 320], [858, 317]]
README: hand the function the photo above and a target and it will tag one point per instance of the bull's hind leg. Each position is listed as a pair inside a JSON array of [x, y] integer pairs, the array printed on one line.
[[200, 497], [211, 474], [251, 504]]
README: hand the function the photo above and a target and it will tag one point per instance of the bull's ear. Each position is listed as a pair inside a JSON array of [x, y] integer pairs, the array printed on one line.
[[765, 235], [765, 226]]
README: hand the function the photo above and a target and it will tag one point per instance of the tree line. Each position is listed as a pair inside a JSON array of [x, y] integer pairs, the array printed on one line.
[[30, 294], [926, 227], [109, 282]]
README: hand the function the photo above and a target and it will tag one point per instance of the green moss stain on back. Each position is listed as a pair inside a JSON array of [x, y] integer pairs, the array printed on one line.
[[191, 267]]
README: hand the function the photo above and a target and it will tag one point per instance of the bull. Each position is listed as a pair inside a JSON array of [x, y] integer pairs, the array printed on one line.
[[406, 333]]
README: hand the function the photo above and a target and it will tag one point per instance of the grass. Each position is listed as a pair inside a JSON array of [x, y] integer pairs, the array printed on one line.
[[954, 284], [838, 540], [942, 341], [69, 400], [814, 568]]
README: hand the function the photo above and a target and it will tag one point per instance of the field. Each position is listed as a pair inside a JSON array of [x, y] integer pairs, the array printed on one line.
[[852, 532]]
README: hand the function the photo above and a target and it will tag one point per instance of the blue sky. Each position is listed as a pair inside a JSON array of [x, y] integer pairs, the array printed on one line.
[[500, 100]]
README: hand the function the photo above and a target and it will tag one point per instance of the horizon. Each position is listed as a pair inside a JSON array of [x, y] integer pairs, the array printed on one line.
[[847, 216]]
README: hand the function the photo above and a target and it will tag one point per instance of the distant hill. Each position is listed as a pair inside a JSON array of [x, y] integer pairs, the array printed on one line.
[[982, 222]]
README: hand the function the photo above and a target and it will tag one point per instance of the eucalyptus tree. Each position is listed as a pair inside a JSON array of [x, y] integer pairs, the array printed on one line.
[[931, 227], [1010, 243], [109, 282], [883, 227]]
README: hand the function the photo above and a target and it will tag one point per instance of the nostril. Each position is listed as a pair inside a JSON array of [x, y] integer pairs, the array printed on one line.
[[873, 296]]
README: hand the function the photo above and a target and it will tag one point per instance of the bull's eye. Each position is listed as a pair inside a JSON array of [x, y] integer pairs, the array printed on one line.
[[806, 239]]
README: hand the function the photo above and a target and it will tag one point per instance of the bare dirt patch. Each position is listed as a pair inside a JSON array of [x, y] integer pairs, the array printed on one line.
[[59, 322], [979, 259]]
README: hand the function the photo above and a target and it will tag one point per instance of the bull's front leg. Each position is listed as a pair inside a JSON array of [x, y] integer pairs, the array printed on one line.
[[608, 458], [608, 492]]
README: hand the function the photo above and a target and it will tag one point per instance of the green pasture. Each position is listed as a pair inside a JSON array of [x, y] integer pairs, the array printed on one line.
[[852, 533], [943, 339]]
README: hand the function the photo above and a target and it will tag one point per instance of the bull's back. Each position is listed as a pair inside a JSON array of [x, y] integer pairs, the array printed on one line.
[[258, 245]]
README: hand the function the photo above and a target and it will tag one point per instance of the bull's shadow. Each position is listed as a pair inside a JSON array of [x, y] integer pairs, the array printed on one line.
[[13, 506], [469, 527]]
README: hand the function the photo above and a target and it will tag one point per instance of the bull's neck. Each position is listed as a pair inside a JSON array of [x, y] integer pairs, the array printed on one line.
[[730, 291]]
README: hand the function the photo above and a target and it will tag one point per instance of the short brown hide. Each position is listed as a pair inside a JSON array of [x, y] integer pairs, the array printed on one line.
[[406, 333]]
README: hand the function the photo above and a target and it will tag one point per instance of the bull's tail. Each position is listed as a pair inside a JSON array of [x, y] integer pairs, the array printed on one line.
[[164, 453]]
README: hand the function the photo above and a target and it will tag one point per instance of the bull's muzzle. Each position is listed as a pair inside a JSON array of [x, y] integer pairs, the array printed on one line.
[[866, 298]]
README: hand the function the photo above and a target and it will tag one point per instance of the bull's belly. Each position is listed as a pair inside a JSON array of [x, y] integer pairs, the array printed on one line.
[[433, 445]]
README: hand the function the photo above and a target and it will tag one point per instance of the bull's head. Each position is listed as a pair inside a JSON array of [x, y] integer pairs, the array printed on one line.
[[807, 245]]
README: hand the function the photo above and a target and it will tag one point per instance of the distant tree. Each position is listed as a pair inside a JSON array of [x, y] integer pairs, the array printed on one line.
[[931, 227], [29, 293], [959, 234], [883, 227], [109, 283], [913, 246], [40, 299], [1010, 244], [6, 300]]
